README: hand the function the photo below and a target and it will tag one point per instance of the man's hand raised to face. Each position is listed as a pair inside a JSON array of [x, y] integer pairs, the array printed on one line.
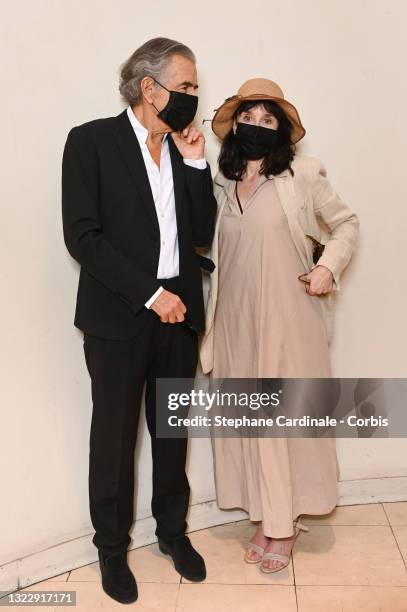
[[190, 143], [169, 307]]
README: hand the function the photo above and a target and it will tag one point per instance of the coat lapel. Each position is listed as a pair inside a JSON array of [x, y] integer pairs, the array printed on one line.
[[286, 190], [129, 147]]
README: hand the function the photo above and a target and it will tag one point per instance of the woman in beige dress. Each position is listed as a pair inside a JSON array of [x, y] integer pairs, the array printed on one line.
[[262, 321]]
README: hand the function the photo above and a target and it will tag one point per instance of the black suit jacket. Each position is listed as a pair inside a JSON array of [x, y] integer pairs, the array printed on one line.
[[111, 228]]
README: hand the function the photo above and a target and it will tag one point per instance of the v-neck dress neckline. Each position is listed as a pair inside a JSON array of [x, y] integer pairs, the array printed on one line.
[[235, 197]]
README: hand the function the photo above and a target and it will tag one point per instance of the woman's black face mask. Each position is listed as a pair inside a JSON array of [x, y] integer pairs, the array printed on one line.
[[180, 109], [255, 141]]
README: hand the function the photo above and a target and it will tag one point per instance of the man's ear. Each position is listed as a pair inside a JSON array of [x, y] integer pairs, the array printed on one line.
[[147, 86], [234, 125]]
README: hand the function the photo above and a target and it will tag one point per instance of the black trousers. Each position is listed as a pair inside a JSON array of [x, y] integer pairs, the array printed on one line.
[[119, 369]]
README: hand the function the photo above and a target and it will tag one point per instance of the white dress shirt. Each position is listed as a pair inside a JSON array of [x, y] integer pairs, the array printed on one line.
[[162, 187]]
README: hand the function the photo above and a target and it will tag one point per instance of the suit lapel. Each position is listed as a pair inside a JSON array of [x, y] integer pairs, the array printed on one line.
[[129, 147], [178, 175]]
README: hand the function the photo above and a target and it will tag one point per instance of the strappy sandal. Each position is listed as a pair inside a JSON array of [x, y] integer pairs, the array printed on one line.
[[256, 548], [284, 559]]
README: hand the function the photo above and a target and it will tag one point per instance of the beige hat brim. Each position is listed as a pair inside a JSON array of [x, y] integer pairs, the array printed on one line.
[[223, 119]]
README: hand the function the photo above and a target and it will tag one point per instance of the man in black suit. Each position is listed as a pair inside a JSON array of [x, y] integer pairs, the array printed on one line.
[[137, 199]]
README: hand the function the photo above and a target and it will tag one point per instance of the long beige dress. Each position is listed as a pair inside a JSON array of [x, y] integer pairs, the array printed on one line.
[[267, 326]]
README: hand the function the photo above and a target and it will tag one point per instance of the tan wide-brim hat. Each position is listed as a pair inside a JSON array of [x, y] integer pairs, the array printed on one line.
[[256, 89]]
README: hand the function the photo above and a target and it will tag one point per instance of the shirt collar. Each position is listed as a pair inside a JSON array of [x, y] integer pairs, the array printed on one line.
[[139, 129]]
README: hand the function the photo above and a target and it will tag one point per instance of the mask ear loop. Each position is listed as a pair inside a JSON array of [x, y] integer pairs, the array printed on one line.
[[155, 80], [158, 112], [160, 84]]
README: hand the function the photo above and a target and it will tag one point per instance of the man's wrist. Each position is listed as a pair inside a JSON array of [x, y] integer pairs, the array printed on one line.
[[196, 162]]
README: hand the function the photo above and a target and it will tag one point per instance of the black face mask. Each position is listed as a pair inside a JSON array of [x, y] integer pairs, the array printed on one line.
[[180, 109], [255, 141]]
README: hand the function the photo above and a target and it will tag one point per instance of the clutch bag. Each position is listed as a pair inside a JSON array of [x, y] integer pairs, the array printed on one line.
[[317, 248]]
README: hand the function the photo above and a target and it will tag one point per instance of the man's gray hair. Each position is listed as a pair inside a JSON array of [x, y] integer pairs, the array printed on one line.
[[150, 59]]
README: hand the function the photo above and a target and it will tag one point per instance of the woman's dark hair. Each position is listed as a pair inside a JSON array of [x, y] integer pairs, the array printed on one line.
[[233, 164]]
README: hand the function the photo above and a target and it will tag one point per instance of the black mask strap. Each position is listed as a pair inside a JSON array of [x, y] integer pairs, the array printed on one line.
[[160, 84]]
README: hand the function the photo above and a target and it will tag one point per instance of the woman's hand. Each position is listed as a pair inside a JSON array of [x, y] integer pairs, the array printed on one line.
[[321, 281]]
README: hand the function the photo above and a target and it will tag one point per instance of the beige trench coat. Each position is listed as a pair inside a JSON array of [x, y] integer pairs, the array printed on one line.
[[312, 208]]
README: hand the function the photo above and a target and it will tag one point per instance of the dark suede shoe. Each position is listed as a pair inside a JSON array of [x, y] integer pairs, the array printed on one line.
[[117, 579], [187, 561]]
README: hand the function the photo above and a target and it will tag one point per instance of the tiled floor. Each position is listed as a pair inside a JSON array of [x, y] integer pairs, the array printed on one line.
[[353, 560]]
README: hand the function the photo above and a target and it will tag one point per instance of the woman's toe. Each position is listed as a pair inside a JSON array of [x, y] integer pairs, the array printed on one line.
[[251, 555], [254, 556], [272, 564]]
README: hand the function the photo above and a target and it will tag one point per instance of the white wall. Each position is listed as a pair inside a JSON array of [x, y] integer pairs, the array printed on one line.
[[340, 62]]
